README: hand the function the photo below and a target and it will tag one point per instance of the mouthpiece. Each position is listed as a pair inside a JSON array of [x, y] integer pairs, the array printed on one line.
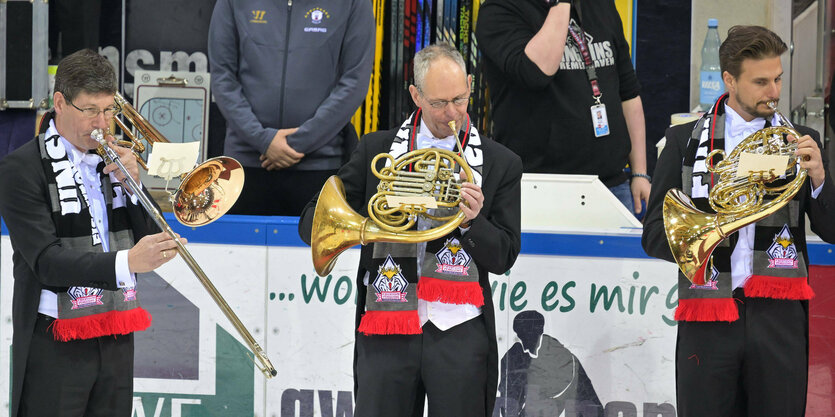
[[772, 104], [452, 126], [98, 136]]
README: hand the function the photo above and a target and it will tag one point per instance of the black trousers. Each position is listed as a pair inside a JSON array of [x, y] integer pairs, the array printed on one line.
[[396, 372], [756, 366], [80, 378], [278, 193]]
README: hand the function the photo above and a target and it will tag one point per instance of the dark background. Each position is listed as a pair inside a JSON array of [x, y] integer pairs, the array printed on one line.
[[158, 25]]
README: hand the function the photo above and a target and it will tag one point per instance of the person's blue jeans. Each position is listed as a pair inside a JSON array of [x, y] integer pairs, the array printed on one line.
[[623, 192]]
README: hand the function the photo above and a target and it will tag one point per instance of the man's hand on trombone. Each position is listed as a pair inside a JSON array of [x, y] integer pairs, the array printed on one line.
[[128, 159], [152, 251]]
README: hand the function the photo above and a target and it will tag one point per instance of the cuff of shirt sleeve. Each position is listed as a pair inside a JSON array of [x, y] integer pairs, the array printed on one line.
[[267, 139], [465, 227], [124, 278], [817, 191], [134, 200]]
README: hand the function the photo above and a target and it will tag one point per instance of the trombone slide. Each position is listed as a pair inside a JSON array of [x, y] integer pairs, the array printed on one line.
[[266, 367]]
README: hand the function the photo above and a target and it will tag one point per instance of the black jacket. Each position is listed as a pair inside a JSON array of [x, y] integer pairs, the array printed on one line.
[[493, 240], [547, 119], [39, 259]]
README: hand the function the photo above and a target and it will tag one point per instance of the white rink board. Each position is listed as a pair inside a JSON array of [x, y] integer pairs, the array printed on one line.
[[305, 324]]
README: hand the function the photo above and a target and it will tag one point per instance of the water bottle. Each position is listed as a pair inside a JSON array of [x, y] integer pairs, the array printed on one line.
[[711, 85]]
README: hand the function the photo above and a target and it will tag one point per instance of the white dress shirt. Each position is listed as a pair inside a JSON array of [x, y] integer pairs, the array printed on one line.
[[742, 257], [444, 316], [86, 165]]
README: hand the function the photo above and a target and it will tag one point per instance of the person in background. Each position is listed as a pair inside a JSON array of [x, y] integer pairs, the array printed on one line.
[[287, 78], [563, 90]]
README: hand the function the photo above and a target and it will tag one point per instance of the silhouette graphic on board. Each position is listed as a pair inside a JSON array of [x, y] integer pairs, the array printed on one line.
[[541, 377]]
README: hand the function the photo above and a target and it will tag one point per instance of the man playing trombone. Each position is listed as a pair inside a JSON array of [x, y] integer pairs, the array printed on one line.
[[425, 327], [78, 239]]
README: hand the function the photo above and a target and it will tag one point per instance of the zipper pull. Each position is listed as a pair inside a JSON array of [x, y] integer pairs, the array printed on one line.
[[289, 3]]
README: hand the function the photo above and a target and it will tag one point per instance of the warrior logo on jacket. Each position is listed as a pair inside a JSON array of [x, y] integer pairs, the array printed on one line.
[[390, 283], [452, 259], [782, 252]]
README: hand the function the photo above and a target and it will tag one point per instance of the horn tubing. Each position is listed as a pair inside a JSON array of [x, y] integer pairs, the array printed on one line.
[[268, 370]]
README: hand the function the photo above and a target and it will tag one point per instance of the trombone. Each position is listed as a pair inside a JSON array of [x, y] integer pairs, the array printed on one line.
[[198, 201]]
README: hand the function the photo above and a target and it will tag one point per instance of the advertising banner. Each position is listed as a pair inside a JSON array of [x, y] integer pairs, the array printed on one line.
[[601, 324], [577, 335]]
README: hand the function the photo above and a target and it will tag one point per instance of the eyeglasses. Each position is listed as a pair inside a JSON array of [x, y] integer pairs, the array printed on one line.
[[441, 104], [92, 112]]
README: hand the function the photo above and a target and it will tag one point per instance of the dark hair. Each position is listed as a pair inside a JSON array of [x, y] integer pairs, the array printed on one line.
[[84, 71], [748, 42]]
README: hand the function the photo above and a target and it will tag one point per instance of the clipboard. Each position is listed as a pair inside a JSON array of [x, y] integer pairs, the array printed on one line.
[[177, 105]]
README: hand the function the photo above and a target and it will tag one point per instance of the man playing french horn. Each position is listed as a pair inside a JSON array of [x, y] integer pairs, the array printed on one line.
[[743, 320], [426, 327]]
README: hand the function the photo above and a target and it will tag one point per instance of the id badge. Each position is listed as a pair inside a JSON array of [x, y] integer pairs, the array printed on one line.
[[600, 120]]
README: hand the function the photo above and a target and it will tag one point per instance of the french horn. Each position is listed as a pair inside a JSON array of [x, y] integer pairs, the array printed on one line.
[[737, 200], [337, 227]]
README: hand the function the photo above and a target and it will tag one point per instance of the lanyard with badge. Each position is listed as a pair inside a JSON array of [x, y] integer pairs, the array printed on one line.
[[599, 119]]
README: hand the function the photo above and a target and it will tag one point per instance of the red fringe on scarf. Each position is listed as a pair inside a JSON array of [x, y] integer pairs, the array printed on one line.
[[707, 309], [104, 324], [762, 286], [450, 292], [390, 322]]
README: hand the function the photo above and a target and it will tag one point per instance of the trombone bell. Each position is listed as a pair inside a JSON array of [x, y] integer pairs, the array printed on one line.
[[208, 191]]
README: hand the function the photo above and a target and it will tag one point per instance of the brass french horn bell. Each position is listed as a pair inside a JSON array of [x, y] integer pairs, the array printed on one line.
[[206, 193], [737, 200], [337, 227]]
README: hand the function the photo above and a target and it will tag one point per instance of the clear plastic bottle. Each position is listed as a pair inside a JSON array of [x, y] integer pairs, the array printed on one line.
[[711, 85]]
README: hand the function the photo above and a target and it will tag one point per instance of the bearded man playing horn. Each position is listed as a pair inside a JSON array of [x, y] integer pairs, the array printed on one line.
[[742, 347], [426, 327]]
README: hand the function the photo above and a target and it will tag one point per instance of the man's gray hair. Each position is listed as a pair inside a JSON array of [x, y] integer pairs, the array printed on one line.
[[426, 56]]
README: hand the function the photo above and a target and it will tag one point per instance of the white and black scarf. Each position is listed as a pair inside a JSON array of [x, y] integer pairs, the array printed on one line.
[[448, 273], [87, 312]]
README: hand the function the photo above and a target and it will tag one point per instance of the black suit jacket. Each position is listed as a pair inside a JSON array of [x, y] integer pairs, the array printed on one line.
[[493, 240], [667, 175], [39, 259]]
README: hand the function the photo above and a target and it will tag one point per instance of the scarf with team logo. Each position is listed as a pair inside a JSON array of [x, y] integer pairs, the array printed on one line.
[[779, 270], [447, 272], [87, 312]]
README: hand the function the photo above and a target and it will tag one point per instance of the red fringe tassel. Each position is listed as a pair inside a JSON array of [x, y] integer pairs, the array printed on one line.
[[762, 286], [104, 324], [450, 292], [390, 322], [707, 309]]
